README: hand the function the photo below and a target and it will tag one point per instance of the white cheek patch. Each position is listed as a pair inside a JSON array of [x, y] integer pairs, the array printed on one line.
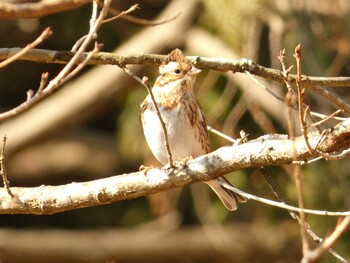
[[171, 66]]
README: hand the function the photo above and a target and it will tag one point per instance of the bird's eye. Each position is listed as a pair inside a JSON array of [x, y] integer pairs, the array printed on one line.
[[177, 71]]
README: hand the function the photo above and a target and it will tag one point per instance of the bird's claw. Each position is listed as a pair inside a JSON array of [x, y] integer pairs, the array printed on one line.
[[145, 169], [183, 161]]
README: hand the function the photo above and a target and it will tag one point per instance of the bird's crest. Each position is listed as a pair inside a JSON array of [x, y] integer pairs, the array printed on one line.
[[177, 56]]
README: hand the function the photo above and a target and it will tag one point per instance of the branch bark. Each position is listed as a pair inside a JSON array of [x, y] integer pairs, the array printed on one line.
[[218, 64], [264, 151]]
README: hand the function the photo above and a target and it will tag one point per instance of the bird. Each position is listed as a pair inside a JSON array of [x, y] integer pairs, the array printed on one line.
[[183, 118]]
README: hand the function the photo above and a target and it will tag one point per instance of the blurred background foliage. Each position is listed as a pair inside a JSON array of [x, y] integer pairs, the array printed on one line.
[[111, 142]]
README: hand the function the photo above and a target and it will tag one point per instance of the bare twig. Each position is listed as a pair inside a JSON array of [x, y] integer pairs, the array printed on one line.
[[263, 86], [328, 242], [284, 205], [301, 91], [121, 14], [330, 96], [94, 15], [332, 157], [290, 91], [322, 116], [222, 135], [44, 35], [92, 22], [331, 116], [97, 48], [82, 48], [297, 168], [278, 194], [3, 170], [311, 233], [290, 100], [66, 73], [144, 82], [140, 21]]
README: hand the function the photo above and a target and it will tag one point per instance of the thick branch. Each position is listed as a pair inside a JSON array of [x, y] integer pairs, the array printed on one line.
[[219, 64], [264, 151]]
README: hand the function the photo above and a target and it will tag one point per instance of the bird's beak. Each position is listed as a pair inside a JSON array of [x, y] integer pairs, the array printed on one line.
[[194, 71]]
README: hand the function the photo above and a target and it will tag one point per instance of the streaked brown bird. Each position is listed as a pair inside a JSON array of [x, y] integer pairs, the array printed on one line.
[[184, 120]]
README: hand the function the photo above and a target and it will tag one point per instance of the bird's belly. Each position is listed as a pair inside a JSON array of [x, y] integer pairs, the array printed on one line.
[[183, 137]]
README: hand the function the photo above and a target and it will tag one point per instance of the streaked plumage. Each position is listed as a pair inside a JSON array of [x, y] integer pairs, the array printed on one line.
[[183, 117]]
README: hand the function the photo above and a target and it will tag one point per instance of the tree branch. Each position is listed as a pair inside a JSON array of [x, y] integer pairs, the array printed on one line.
[[264, 151], [218, 64]]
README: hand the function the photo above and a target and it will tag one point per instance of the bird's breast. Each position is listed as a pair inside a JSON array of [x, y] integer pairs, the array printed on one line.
[[183, 136]]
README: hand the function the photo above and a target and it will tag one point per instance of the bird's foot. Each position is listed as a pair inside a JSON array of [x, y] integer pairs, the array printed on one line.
[[145, 169], [182, 162]]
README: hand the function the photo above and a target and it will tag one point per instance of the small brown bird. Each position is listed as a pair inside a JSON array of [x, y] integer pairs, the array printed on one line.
[[183, 117]]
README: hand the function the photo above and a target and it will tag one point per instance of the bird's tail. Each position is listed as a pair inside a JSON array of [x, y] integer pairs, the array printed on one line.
[[227, 197]]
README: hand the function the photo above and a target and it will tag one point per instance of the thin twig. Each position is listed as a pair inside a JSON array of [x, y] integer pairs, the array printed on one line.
[[97, 48], [94, 15], [290, 100], [328, 242], [263, 86], [43, 81], [289, 89], [286, 72], [83, 47], [279, 196], [297, 168], [301, 91], [333, 157], [121, 14], [66, 73], [44, 35], [140, 21], [92, 22], [331, 97], [284, 205], [144, 82], [222, 135], [322, 116], [326, 118], [2, 168], [312, 234]]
